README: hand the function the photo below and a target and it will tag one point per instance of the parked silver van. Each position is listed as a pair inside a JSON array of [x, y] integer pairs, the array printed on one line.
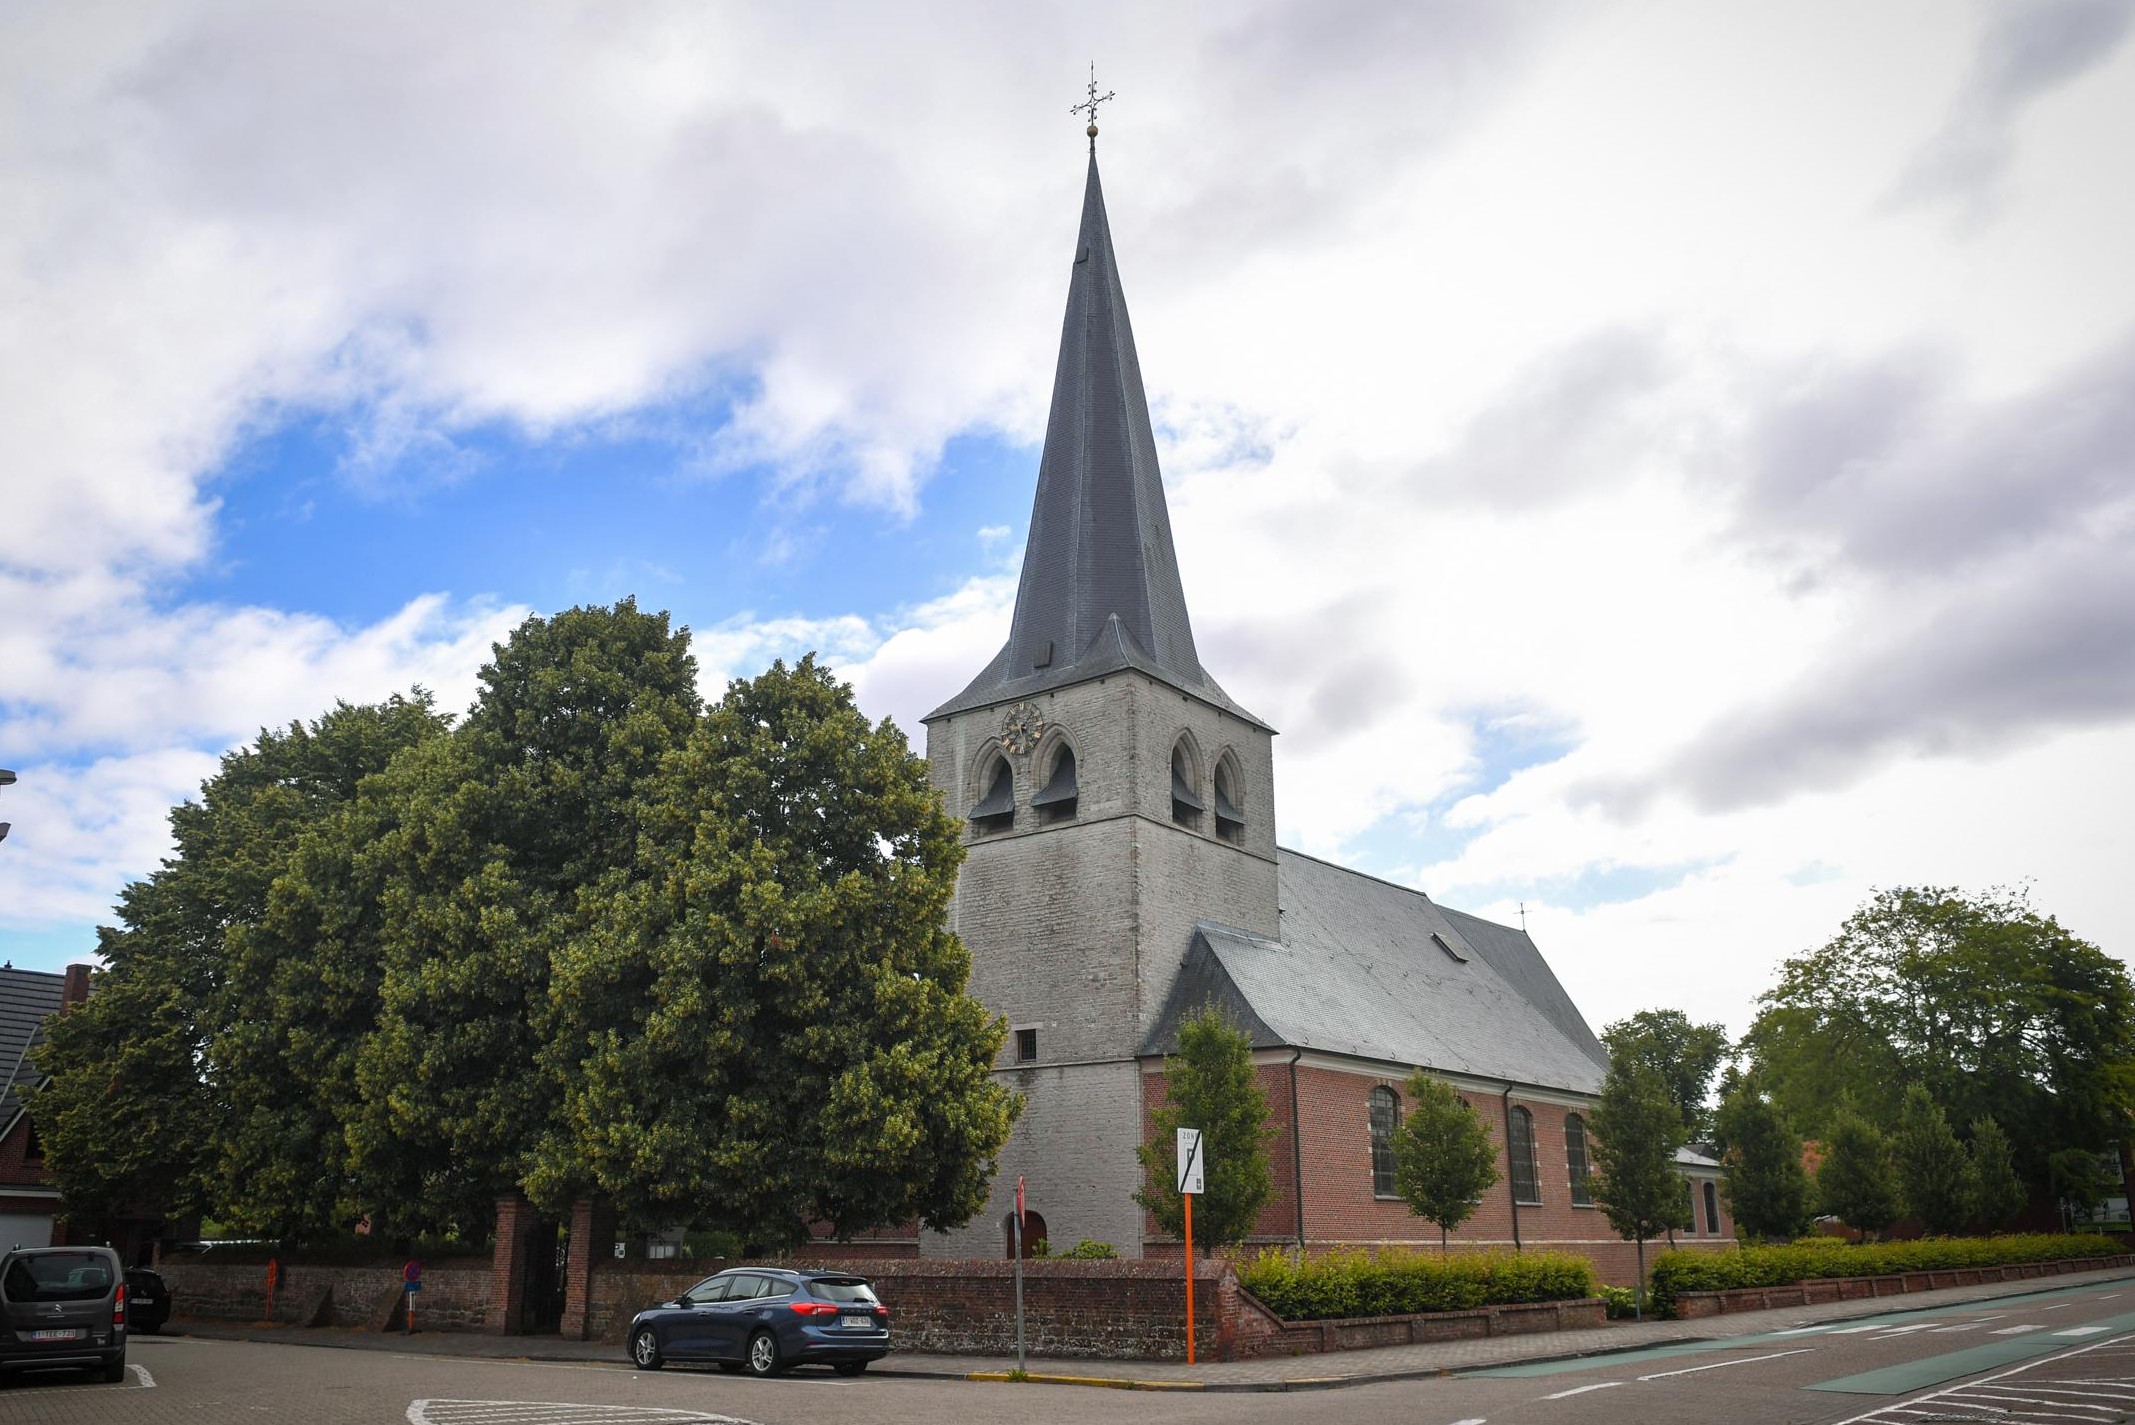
[[63, 1306]]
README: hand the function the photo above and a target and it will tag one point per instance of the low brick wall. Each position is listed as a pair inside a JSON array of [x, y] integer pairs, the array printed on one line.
[[1262, 1333], [1091, 1310], [455, 1296], [1115, 1310], [1824, 1289]]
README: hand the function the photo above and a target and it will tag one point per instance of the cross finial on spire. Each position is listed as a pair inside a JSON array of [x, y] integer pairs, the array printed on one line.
[[1089, 106]]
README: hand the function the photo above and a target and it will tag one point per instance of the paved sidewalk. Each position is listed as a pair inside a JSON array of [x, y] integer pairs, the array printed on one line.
[[1281, 1373]]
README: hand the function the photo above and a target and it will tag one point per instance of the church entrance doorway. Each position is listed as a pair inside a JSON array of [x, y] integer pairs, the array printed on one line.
[[1033, 1234]]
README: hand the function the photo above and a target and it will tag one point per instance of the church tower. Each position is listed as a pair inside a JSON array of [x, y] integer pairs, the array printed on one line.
[[1113, 793]]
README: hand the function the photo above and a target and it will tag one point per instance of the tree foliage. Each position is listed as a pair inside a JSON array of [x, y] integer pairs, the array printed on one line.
[[142, 1109], [511, 839], [1767, 1187], [1444, 1157], [1639, 1127], [1993, 1008], [1685, 1055], [593, 938], [1209, 1084], [1855, 1183], [1934, 1174], [769, 1015], [1997, 1192]]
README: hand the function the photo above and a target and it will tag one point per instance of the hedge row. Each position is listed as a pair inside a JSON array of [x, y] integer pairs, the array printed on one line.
[[1828, 1257], [1397, 1283]]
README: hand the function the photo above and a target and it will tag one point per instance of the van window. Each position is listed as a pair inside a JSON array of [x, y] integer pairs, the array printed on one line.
[[58, 1276]]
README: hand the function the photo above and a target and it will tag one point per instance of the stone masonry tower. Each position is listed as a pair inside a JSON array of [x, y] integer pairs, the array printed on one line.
[[1114, 794]]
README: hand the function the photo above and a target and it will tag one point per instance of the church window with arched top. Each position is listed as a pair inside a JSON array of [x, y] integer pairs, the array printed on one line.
[[996, 810], [1058, 792], [1520, 1156], [1186, 803], [1230, 820], [1385, 1117]]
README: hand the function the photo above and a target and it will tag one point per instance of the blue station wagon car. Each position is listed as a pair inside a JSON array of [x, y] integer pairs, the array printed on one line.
[[764, 1320]]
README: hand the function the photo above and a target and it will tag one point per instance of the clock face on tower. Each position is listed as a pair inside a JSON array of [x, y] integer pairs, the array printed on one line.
[[1020, 729]]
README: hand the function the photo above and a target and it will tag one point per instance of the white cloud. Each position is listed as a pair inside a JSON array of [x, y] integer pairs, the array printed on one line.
[[1528, 361]]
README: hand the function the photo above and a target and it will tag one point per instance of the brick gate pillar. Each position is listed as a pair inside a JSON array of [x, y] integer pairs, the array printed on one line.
[[507, 1268], [592, 1239]]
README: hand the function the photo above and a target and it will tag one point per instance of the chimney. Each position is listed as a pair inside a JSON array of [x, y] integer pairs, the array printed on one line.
[[76, 989]]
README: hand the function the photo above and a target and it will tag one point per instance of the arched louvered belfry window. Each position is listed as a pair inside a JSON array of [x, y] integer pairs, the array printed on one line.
[[1575, 1160], [1186, 803], [1712, 1207], [1520, 1155], [1230, 821], [1385, 1118], [1056, 798], [996, 810]]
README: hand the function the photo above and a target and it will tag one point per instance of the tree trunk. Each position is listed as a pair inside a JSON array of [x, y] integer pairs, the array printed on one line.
[[1638, 1291], [1441, 1242]]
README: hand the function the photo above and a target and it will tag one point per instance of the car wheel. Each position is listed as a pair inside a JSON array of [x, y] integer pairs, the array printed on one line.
[[763, 1354], [849, 1368], [114, 1371], [645, 1350]]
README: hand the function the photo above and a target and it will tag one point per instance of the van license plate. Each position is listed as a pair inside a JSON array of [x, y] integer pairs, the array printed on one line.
[[71, 1333]]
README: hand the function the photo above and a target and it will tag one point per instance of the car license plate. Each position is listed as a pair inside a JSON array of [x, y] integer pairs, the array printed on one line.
[[71, 1333], [860, 1323]]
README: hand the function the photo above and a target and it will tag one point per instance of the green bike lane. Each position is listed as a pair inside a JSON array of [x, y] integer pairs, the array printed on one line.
[[1997, 1332]]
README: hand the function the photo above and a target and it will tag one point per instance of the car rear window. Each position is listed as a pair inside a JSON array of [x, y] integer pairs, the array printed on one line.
[[843, 1289], [57, 1276]]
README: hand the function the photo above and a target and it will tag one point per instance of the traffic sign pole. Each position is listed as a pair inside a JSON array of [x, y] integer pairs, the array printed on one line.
[[1188, 1199], [1019, 1273]]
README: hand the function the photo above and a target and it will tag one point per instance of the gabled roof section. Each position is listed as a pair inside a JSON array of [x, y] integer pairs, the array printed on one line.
[[1100, 590], [26, 997], [1357, 973]]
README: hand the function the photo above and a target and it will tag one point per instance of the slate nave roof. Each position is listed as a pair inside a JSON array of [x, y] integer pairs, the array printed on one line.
[[1360, 972]]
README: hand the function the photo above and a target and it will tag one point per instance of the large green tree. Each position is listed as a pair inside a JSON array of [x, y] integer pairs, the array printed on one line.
[[1209, 1084], [1638, 1126], [766, 1025], [1767, 1187], [1992, 1007], [510, 841], [1855, 1183], [1997, 1192], [144, 1108], [1684, 1054], [1444, 1157], [1934, 1175]]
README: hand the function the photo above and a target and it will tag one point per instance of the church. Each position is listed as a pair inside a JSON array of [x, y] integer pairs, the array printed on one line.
[[1124, 872]]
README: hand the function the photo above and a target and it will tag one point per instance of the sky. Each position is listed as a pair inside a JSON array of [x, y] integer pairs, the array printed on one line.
[[1663, 464]]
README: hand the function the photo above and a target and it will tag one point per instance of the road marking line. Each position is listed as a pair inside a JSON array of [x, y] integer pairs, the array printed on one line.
[[1857, 1330], [1800, 1330], [2012, 1401], [1952, 1330], [2084, 1331], [1719, 1365], [2019, 1330], [1583, 1389], [1903, 1409], [2063, 1306], [148, 1382], [1473, 1420]]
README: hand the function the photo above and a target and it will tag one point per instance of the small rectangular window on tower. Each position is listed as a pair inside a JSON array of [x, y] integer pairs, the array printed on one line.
[[1026, 1046]]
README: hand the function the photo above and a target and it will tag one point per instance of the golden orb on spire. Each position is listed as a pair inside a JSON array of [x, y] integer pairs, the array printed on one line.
[[1091, 131]]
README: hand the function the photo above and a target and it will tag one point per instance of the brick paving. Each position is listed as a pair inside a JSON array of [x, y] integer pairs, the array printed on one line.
[[1289, 1372]]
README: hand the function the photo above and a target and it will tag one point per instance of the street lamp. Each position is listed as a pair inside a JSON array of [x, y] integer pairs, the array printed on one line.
[[7, 779]]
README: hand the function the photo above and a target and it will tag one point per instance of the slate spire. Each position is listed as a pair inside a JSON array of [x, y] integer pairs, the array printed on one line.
[[1100, 588]]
